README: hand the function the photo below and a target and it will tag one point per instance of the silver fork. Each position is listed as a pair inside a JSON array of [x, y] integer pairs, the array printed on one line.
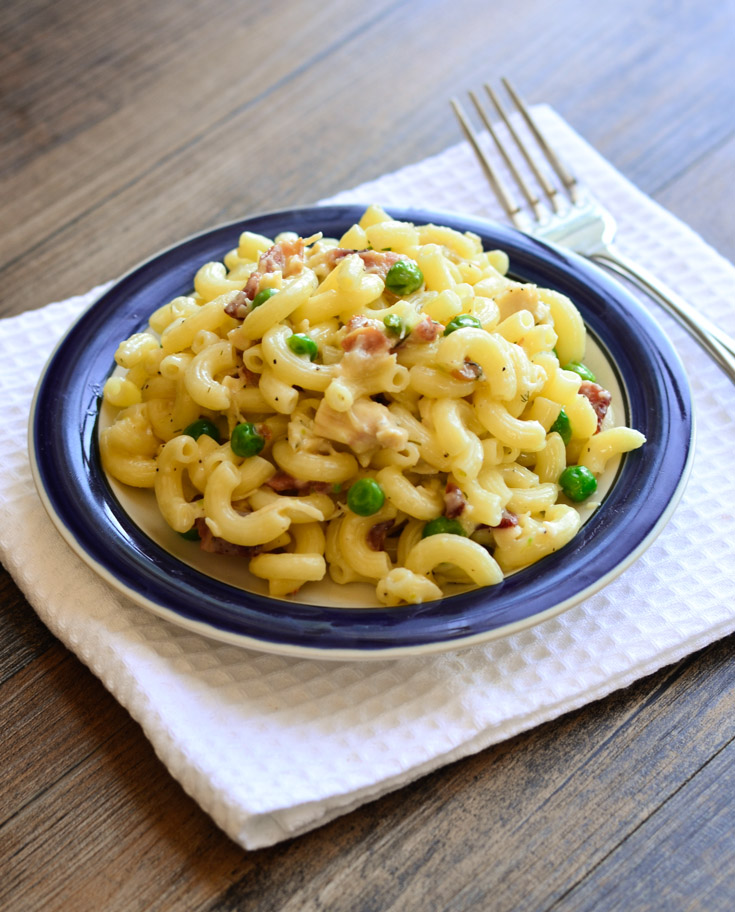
[[577, 221]]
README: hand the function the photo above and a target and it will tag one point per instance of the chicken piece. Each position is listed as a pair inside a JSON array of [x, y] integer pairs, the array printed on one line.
[[366, 426]]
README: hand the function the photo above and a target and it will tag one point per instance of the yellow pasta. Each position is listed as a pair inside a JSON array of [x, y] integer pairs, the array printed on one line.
[[389, 408]]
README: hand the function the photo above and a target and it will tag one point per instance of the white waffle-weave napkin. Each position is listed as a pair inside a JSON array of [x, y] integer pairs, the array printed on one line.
[[271, 747]]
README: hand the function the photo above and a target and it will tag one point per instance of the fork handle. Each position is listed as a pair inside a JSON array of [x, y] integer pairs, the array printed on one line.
[[716, 342]]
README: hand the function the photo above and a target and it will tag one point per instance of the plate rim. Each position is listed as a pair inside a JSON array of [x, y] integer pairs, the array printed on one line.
[[262, 643]]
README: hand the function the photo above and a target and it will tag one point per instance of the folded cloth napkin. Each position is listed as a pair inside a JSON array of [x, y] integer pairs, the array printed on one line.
[[270, 746]]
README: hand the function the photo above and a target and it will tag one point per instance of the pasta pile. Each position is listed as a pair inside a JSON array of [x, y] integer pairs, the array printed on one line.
[[386, 407]]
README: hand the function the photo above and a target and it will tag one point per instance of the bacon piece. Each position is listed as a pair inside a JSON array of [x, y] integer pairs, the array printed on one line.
[[599, 399], [454, 501], [376, 262], [470, 370], [379, 262], [376, 534], [250, 377], [426, 331], [214, 545], [282, 481], [286, 257], [238, 306], [367, 336], [507, 520], [335, 254]]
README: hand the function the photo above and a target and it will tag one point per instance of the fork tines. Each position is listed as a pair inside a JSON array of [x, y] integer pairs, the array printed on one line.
[[500, 188]]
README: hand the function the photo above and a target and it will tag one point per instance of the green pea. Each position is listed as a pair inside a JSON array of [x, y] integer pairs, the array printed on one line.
[[202, 426], [563, 427], [191, 534], [262, 296], [394, 324], [365, 497], [301, 344], [578, 368], [577, 482], [443, 524], [246, 441], [462, 321], [404, 277]]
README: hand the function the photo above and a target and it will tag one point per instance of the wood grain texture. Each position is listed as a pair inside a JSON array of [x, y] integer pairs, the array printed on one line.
[[127, 126]]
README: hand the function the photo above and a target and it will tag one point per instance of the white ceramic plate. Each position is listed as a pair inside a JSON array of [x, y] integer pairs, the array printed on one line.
[[119, 533]]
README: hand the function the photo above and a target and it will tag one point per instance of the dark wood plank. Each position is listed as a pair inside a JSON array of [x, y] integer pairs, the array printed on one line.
[[99, 183], [69, 726], [127, 834], [151, 147], [22, 635], [525, 823], [697, 197], [678, 852], [582, 783]]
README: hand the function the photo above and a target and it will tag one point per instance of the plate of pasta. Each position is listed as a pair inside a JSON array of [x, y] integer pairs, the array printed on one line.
[[343, 432]]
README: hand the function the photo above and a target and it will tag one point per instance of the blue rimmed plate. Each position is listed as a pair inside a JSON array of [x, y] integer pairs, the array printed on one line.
[[117, 534]]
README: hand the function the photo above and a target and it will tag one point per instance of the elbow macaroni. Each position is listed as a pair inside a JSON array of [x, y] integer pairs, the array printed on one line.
[[345, 377]]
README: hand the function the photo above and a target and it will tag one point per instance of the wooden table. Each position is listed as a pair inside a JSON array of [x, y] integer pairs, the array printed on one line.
[[126, 126]]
